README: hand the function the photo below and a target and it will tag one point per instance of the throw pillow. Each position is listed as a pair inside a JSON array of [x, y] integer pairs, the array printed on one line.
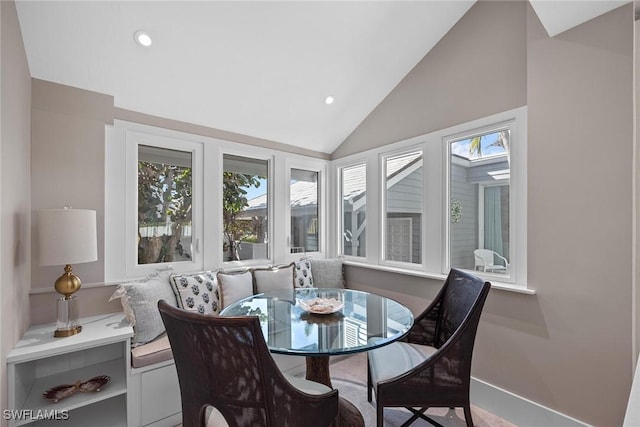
[[327, 273], [140, 303], [270, 279], [302, 274], [234, 286], [197, 292]]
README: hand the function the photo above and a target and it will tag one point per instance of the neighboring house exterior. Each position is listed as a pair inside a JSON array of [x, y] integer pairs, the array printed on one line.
[[481, 187]]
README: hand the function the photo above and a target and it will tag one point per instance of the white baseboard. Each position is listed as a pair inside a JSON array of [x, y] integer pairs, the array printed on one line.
[[517, 409]]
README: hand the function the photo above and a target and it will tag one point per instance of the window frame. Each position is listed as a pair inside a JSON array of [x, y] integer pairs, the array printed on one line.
[[339, 223], [516, 124], [133, 139], [435, 256], [121, 207], [320, 167], [257, 155]]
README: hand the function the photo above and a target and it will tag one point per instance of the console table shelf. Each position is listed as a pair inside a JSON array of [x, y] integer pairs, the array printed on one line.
[[39, 361], [106, 413]]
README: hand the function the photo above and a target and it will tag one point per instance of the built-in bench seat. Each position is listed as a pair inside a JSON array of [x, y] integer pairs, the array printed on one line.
[[153, 397], [151, 353]]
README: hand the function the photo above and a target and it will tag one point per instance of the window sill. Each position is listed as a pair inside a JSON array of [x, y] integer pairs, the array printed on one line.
[[494, 284]]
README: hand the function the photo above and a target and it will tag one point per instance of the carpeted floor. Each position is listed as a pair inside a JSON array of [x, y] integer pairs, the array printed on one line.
[[349, 376]]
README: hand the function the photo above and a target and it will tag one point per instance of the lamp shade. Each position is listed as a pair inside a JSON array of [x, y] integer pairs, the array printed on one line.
[[67, 236]]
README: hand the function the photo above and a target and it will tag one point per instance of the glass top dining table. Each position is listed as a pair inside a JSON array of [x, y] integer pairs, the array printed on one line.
[[289, 329]]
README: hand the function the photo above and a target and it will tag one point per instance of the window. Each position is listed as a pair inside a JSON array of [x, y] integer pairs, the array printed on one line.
[[480, 204], [403, 206], [156, 222], [303, 201], [245, 208], [165, 188], [353, 196], [165, 210], [452, 198]]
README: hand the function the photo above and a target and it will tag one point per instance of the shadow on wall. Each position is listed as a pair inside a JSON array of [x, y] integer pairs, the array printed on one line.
[[414, 292], [509, 310], [515, 311]]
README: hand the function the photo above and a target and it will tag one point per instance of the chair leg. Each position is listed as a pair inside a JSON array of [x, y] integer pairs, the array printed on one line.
[[467, 415], [369, 385], [419, 413], [379, 415]]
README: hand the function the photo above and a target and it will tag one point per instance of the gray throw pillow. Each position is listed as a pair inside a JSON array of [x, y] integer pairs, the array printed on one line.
[[327, 273], [140, 303], [273, 278], [234, 286]]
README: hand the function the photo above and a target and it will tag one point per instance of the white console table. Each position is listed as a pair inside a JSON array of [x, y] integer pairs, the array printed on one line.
[[39, 361]]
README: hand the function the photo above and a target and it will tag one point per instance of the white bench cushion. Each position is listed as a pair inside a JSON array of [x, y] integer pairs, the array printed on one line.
[[155, 351], [395, 359]]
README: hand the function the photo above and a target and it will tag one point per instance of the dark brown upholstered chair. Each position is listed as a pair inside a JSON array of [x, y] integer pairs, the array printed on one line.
[[432, 366], [224, 362]]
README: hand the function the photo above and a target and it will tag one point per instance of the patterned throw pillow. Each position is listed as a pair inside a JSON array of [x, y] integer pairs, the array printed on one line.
[[274, 278], [139, 301], [302, 277], [234, 287], [197, 292]]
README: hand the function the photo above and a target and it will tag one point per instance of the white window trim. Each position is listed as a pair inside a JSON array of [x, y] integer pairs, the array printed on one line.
[[321, 168], [133, 140], [339, 215], [258, 155], [209, 179], [515, 121], [436, 218]]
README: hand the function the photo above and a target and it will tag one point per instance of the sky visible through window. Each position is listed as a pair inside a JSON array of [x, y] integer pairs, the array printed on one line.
[[253, 192], [489, 147]]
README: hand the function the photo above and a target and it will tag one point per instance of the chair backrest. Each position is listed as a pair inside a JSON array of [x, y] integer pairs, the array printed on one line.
[[461, 300], [225, 362]]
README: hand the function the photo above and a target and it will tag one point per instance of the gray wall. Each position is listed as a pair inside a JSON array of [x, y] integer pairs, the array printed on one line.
[[586, 74], [67, 169], [15, 134], [445, 90], [569, 346]]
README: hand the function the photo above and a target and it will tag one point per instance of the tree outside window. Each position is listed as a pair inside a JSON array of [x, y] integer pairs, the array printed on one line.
[[164, 205], [245, 208]]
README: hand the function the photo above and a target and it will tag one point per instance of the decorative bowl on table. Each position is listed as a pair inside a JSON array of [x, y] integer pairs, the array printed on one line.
[[321, 305]]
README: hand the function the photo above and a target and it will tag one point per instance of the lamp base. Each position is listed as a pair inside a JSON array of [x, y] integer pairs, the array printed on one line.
[[67, 323], [62, 333]]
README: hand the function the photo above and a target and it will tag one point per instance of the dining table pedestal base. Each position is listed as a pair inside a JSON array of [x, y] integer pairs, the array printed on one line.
[[318, 371]]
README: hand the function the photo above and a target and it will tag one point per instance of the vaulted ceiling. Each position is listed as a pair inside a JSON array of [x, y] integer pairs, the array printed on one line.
[[259, 68]]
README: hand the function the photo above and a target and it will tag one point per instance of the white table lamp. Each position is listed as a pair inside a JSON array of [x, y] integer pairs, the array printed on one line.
[[67, 236]]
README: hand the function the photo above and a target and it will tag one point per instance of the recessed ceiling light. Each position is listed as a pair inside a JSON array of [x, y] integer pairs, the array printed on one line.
[[329, 100], [142, 38]]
